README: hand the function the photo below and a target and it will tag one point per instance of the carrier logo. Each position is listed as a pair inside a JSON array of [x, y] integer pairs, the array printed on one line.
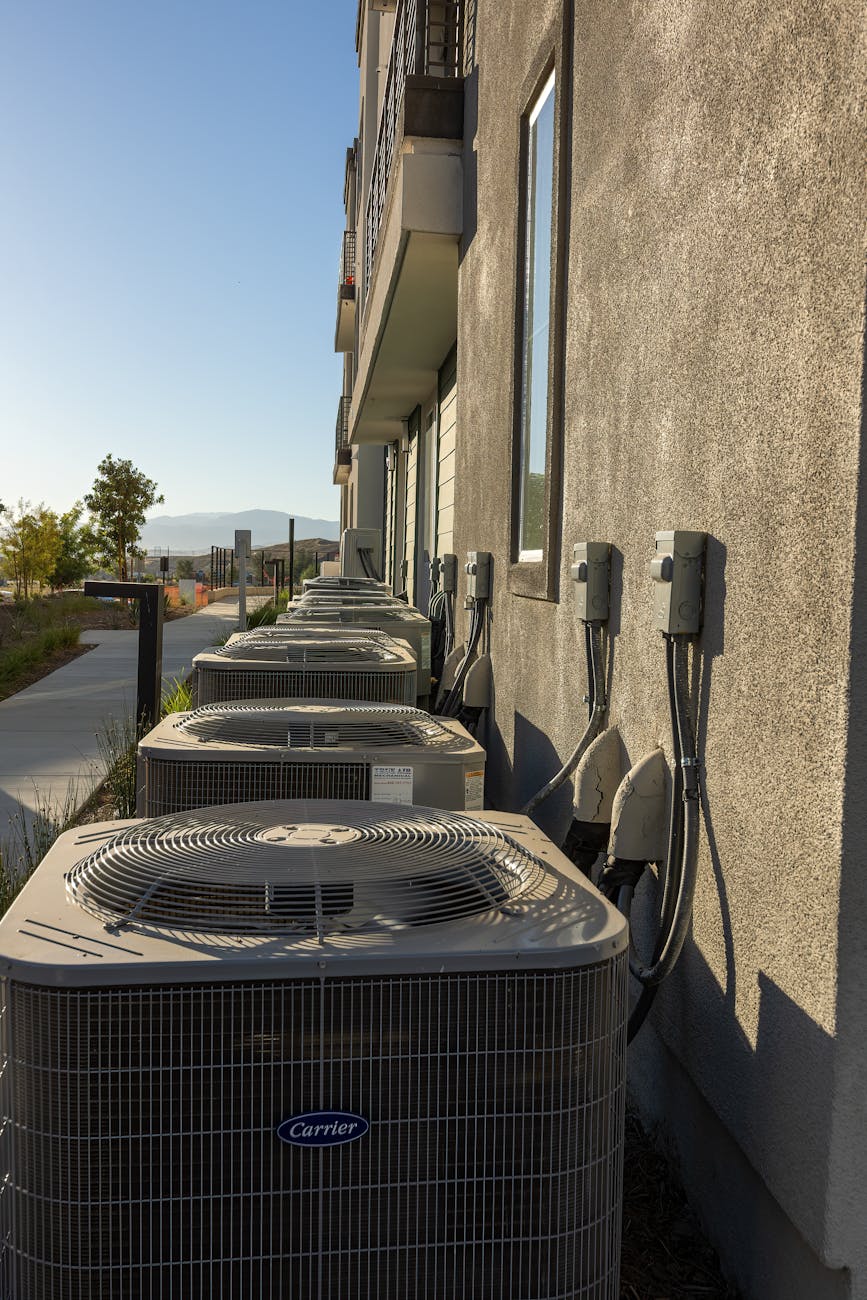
[[322, 1128]]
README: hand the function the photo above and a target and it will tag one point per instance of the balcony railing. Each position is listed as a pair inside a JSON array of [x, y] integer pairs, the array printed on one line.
[[341, 435], [347, 258], [426, 42]]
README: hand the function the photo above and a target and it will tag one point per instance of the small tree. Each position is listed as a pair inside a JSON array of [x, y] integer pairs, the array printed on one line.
[[184, 567], [30, 544], [118, 500], [75, 557]]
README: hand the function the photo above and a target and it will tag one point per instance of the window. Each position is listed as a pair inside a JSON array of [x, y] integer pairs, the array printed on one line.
[[535, 322]]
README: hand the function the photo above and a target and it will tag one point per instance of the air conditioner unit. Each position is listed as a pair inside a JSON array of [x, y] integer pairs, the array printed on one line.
[[399, 620], [341, 669], [347, 598], [360, 552], [231, 753], [336, 583], [323, 1049]]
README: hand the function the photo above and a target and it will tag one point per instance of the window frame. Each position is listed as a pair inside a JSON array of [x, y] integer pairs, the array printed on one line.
[[535, 574]]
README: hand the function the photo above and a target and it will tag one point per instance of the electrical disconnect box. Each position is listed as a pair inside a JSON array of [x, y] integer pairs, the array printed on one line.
[[450, 573], [478, 575], [590, 573], [436, 566], [677, 571]]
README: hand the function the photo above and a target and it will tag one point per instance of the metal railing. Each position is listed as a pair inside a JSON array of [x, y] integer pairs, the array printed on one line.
[[347, 258], [341, 433], [427, 42]]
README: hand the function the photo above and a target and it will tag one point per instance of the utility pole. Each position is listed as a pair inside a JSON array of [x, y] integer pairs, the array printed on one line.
[[291, 557]]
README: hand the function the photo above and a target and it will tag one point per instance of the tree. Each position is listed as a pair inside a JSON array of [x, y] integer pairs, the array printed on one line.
[[30, 544], [184, 567], [75, 557], [118, 500]]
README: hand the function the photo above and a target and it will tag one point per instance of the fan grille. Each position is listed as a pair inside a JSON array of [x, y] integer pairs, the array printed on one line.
[[322, 868], [351, 651], [363, 727]]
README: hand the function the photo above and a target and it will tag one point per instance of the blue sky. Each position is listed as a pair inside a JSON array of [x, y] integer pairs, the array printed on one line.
[[171, 182]]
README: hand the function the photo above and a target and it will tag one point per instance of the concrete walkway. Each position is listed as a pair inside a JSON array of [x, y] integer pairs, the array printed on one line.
[[48, 732]]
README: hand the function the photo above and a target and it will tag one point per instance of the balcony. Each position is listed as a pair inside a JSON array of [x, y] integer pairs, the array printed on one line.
[[344, 333], [413, 220], [342, 449]]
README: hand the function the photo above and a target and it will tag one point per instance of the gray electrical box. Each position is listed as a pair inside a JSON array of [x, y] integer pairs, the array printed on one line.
[[478, 574], [677, 571], [590, 573], [450, 573]]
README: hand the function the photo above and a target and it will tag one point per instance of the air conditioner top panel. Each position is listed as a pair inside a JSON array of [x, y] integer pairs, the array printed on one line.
[[310, 632], [303, 888], [319, 727], [339, 654], [344, 583], [375, 614]]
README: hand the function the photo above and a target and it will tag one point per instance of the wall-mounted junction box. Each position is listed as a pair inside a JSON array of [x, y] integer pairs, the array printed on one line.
[[478, 574], [436, 565], [450, 573], [677, 571], [590, 573]]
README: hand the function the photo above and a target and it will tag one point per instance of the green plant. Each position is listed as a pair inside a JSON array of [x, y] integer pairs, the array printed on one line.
[[177, 696], [17, 660], [263, 616], [32, 831], [116, 741], [118, 502]]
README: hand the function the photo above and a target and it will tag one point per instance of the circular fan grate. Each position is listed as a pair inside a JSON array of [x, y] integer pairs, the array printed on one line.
[[349, 652], [325, 727], [298, 632], [323, 868], [325, 614]]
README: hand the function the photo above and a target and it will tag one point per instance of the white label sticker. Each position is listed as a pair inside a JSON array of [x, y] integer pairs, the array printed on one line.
[[474, 791], [391, 784], [332, 737]]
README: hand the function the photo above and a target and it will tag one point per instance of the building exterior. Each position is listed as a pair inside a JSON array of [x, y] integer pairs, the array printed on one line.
[[607, 278]]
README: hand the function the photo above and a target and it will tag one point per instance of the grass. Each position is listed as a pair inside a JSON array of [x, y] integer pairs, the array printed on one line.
[[32, 832], [18, 662]]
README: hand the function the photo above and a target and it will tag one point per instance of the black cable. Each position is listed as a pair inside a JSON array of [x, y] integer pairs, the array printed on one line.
[[598, 708], [672, 860], [366, 557], [682, 871], [476, 626], [450, 622]]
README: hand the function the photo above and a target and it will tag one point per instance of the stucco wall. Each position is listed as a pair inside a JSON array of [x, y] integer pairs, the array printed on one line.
[[714, 332]]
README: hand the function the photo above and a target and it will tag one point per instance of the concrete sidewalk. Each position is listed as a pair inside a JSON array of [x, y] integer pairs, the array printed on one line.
[[48, 746]]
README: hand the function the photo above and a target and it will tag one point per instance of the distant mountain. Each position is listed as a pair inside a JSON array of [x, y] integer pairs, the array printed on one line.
[[199, 532]]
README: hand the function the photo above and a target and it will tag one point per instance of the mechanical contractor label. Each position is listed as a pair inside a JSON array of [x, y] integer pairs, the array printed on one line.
[[391, 784]]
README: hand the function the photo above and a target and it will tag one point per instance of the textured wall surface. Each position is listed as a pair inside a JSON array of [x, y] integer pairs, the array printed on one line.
[[714, 354]]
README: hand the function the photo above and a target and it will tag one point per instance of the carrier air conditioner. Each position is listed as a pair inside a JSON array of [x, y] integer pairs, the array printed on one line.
[[341, 669], [311, 1050], [231, 753], [399, 620]]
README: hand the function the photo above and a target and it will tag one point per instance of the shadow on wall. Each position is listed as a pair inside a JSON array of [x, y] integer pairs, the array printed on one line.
[[780, 1118], [470, 161]]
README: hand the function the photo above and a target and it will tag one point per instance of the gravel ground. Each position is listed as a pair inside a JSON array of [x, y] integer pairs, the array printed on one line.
[[665, 1255]]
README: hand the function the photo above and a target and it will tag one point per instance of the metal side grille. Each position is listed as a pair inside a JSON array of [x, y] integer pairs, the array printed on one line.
[[145, 1164], [388, 687], [177, 786]]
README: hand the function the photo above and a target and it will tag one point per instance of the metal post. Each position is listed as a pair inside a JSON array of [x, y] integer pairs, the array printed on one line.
[[149, 680], [243, 541], [292, 557]]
